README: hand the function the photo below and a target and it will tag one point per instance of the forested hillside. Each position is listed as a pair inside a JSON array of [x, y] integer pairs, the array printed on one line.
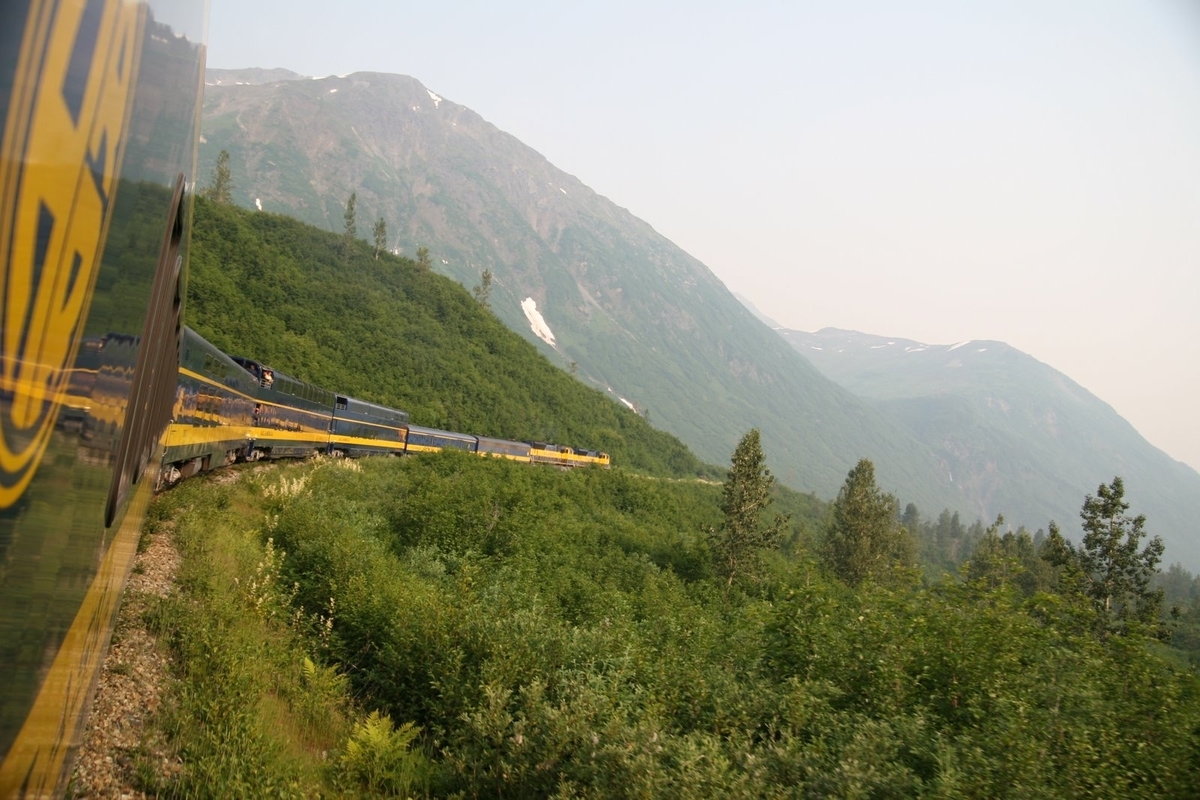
[[385, 329]]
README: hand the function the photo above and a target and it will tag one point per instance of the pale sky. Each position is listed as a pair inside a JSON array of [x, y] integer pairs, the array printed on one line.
[[938, 171]]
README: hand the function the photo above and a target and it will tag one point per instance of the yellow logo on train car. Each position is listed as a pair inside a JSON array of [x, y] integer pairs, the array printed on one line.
[[59, 160]]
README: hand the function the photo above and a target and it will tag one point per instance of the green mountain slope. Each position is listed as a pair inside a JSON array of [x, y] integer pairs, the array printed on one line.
[[383, 330], [1019, 437], [638, 316]]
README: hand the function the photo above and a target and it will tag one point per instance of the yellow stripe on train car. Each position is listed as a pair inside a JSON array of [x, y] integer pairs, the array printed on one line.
[[423, 448], [510, 457], [364, 442], [180, 434]]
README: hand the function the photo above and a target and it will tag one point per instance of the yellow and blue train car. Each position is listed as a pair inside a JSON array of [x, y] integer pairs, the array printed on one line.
[[212, 419], [503, 448], [432, 440], [99, 119], [360, 428], [292, 418]]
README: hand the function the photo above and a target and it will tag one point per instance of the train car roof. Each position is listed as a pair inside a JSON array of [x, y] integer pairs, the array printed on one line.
[[438, 432], [381, 410], [503, 445], [493, 439]]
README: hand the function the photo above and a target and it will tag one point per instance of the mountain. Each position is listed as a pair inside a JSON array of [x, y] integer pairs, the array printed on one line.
[[763, 318], [252, 76], [595, 288], [1018, 437]]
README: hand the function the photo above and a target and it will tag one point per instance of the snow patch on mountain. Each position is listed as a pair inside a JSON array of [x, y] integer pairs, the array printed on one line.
[[960, 344], [537, 322], [437, 101]]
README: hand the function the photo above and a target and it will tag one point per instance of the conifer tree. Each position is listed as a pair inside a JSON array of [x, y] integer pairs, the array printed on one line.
[[1010, 558], [350, 231], [865, 539], [483, 291], [742, 537], [221, 189], [423, 262], [380, 232]]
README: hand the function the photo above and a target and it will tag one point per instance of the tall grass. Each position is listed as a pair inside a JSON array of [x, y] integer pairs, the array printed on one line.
[[254, 709]]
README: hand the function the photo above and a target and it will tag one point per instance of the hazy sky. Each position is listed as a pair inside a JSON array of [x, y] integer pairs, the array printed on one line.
[[939, 171]]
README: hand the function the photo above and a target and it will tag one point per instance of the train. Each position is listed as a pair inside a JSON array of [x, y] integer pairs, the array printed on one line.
[[105, 395], [231, 409]]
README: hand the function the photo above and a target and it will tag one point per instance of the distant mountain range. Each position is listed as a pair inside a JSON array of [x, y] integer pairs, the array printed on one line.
[[597, 289], [1017, 436]]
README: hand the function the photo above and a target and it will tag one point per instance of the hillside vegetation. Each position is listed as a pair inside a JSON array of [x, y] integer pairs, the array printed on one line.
[[451, 626], [281, 291]]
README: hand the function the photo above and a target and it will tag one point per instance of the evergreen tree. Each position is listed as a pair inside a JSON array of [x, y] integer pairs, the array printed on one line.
[[483, 291], [350, 231], [1180, 587], [380, 231], [865, 539], [423, 262], [1011, 558], [221, 188], [738, 543]]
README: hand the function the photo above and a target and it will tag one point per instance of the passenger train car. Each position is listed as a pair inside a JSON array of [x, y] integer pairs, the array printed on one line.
[[104, 394]]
